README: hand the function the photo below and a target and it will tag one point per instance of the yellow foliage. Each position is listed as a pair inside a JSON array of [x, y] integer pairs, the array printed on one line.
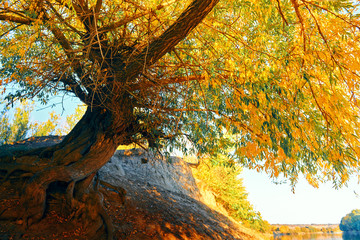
[[281, 77]]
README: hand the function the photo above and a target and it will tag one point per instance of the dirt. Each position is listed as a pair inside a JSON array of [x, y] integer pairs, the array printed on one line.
[[151, 213], [148, 213]]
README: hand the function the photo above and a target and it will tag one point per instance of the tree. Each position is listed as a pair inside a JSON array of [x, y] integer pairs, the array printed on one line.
[[351, 222], [275, 83], [21, 126]]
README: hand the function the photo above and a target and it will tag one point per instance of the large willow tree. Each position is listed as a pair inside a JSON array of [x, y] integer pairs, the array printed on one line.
[[275, 83]]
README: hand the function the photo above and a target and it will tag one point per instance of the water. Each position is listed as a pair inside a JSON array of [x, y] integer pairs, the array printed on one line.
[[335, 236]]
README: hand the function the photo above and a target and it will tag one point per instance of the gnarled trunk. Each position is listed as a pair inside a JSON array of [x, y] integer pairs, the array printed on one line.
[[64, 173]]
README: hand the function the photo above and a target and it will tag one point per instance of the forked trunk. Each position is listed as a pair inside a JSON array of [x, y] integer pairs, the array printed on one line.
[[64, 171]]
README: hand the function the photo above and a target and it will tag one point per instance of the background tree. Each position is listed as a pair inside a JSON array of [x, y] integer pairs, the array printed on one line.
[[17, 129], [20, 126], [351, 222], [275, 83]]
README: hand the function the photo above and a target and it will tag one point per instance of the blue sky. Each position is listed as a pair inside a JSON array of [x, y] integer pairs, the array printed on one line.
[[61, 105]]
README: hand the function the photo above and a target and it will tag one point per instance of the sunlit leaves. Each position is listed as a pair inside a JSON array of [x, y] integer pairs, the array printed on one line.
[[288, 95]]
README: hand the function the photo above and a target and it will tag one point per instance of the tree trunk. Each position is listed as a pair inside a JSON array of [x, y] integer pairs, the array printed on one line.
[[63, 173]]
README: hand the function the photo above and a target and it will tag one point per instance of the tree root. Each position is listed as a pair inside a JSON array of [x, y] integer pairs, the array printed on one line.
[[119, 190], [11, 168], [90, 211], [81, 200]]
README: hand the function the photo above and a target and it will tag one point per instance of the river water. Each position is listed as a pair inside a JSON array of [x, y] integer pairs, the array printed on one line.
[[335, 236]]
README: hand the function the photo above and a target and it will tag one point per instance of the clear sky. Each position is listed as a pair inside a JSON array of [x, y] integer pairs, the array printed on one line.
[[276, 203], [60, 105]]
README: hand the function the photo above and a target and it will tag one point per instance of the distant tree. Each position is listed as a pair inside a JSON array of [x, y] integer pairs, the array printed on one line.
[[16, 128], [351, 222], [74, 118], [280, 77], [20, 126]]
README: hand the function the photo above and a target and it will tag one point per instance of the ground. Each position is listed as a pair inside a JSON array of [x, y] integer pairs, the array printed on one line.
[[148, 213]]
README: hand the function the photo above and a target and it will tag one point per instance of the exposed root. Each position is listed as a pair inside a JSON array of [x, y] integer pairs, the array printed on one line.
[[81, 200], [91, 213], [108, 223], [11, 168], [69, 197], [119, 190], [33, 200]]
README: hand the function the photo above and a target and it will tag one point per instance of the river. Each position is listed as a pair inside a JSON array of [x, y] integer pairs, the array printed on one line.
[[320, 236]]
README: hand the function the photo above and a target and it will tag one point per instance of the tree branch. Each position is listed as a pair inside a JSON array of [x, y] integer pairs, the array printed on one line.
[[187, 21], [58, 15], [15, 19], [149, 84], [75, 63], [84, 14], [122, 22], [281, 12], [333, 13], [65, 44], [98, 6], [301, 20]]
